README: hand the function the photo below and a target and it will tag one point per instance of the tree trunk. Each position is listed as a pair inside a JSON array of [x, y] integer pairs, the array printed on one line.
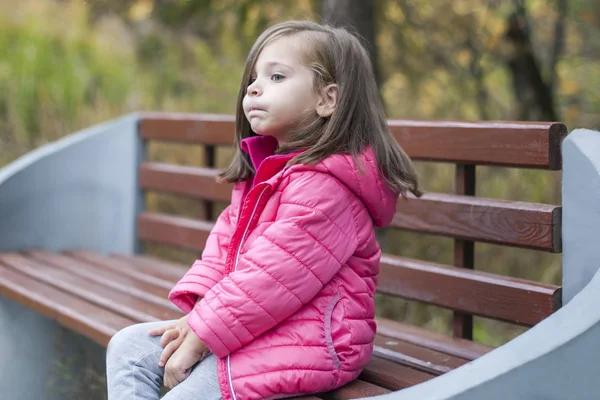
[[358, 17], [532, 91]]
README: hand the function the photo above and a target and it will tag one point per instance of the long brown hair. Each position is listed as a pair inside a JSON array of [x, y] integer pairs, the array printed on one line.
[[358, 122]]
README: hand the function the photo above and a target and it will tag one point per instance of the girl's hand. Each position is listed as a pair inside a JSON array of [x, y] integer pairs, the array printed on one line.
[[180, 364], [172, 337]]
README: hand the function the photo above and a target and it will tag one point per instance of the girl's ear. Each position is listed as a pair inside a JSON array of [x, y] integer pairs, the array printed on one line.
[[328, 99]]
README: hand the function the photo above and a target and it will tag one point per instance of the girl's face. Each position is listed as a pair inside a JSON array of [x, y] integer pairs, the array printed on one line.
[[281, 94]]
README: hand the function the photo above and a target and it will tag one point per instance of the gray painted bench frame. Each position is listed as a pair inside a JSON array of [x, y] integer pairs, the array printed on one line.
[[82, 192]]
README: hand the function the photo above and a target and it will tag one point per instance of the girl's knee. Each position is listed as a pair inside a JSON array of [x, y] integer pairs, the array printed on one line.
[[126, 340]]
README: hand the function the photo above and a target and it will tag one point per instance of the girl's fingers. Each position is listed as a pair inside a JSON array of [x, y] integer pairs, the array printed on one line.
[[161, 330], [169, 350], [168, 336]]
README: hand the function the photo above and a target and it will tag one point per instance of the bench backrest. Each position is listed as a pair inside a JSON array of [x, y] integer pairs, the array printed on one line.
[[462, 216]]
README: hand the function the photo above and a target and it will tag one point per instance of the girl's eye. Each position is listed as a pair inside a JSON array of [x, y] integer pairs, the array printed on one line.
[[277, 77]]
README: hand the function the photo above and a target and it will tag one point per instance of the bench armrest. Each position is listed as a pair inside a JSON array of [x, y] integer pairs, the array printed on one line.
[[557, 358], [79, 192]]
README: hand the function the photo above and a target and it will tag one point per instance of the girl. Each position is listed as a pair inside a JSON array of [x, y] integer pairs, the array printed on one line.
[[281, 303]]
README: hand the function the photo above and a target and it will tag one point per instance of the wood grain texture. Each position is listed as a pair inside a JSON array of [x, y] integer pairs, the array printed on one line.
[[354, 390], [462, 348], [416, 357], [391, 375], [518, 144], [153, 266], [493, 296], [212, 129], [488, 295], [175, 231], [514, 144], [70, 311], [127, 279], [189, 181], [109, 298], [519, 224]]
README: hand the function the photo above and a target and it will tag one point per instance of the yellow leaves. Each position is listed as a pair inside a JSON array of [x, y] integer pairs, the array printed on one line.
[[572, 113], [464, 57], [496, 28], [140, 10], [569, 87], [394, 13]]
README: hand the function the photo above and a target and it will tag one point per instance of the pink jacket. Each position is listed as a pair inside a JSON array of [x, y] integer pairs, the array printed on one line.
[[288, 276]]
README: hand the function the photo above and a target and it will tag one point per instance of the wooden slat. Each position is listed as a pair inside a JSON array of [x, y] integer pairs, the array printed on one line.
[[465, 349], [391, 375], [354, 390], [413, 356], [493, 296], [167, 278], [167, 270], [306, 398], [104, 296], [87, 319], [190, 181], [518, 144], [109, 275], [488, 295], [521, 224], [535, 145], [175, 231], [212, 129]]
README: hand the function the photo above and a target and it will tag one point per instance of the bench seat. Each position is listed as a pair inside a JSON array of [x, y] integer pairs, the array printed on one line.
[[97, 295]]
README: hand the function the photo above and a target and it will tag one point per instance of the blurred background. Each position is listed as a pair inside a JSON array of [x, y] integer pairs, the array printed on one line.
[[69, 64]]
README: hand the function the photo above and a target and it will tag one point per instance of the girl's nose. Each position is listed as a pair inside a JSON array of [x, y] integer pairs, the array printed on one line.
[[254, 90]]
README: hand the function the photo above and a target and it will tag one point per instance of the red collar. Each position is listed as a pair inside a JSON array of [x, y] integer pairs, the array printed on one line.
[[262, 154]]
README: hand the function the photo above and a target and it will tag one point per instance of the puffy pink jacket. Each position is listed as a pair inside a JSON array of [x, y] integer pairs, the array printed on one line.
[[288, 276]]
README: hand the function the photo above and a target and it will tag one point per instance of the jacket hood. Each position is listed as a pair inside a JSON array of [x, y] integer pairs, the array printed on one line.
[[364, 180]]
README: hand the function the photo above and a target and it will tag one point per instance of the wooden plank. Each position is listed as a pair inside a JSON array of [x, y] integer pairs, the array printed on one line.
[[167, 270], [514, 144], [520, 224], [167, 277], [413, 356], [103, 296], [488, 295], [354, 390], [87, 319], [175, 231], [465, 349], [189, 181], [108, 276], [519, 144], [160, 286], [212, 129], [306, 398], [513, 223], [391, 375]]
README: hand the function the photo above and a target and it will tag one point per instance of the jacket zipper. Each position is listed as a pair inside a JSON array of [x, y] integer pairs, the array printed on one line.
[[237, 256]]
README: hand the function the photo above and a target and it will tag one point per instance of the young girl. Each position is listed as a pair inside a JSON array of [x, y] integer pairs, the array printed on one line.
[[281, 303]]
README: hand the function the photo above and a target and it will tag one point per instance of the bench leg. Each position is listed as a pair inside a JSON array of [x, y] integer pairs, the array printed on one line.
[[43, 360]]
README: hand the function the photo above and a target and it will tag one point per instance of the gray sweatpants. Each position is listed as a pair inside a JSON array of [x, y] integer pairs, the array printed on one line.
[[133, 373]]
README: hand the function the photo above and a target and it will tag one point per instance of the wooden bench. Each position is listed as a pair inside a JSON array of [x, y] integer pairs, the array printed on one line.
[[98, 289]]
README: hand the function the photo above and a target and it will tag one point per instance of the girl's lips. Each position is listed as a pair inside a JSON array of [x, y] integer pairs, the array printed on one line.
[[255, 110]]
